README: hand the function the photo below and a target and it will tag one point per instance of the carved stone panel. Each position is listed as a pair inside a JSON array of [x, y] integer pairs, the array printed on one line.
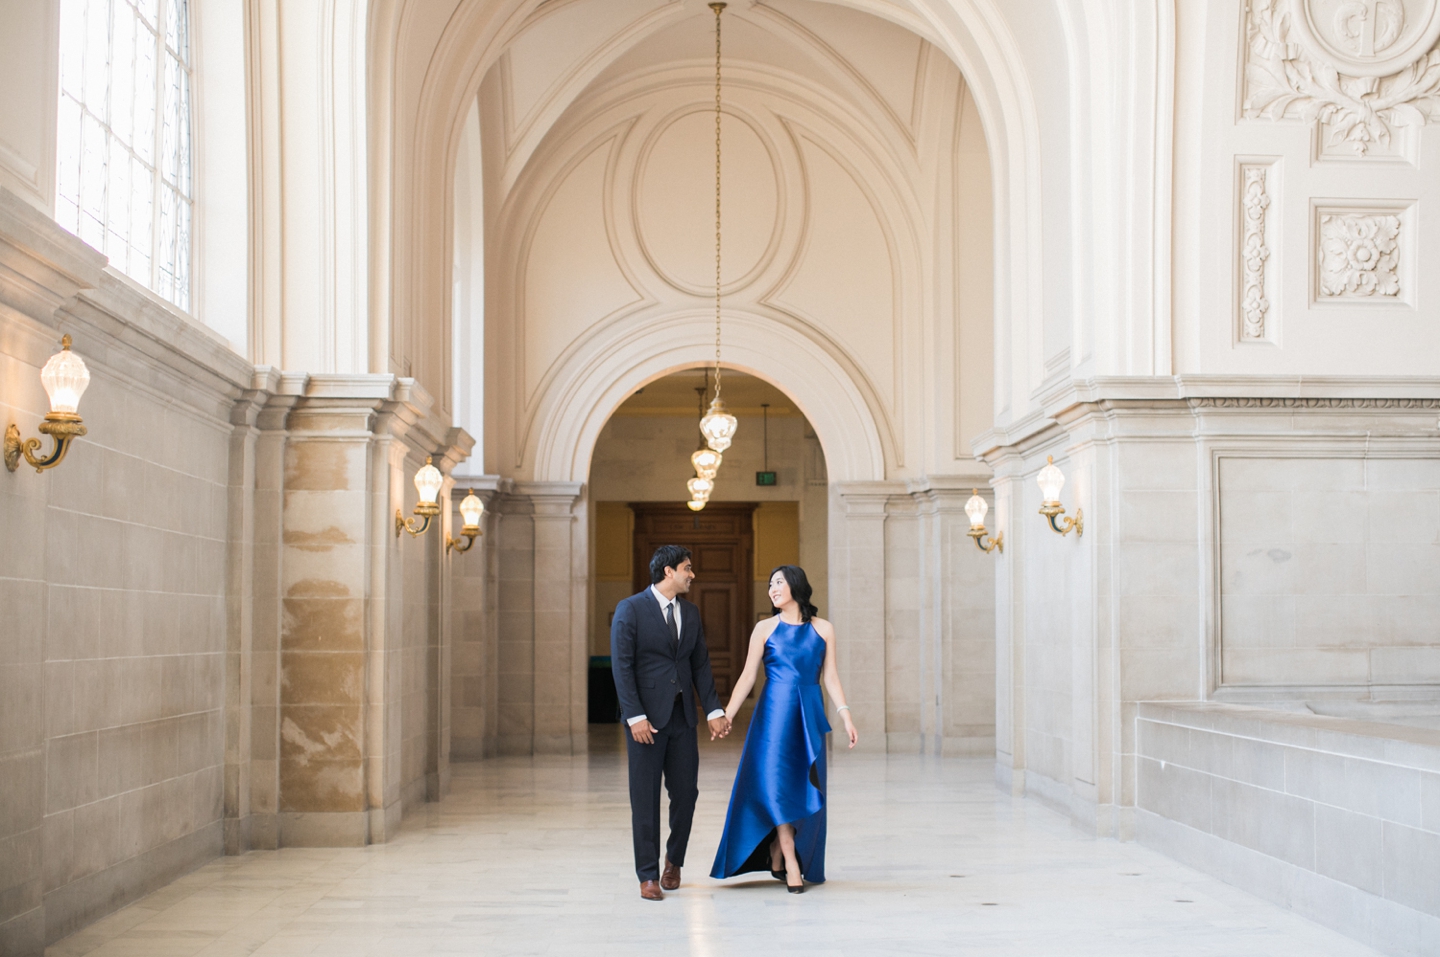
[[1257, 320], [1362, 70], [1360, 255]]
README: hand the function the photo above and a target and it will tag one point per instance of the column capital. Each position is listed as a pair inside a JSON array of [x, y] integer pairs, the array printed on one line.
[[868, 498], [551, 499]]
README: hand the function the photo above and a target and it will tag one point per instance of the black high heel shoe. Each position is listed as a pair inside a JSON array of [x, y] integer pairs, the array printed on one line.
[[796, 888]]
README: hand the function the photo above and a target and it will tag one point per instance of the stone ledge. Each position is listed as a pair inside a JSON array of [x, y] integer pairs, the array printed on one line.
[[1372, 740]]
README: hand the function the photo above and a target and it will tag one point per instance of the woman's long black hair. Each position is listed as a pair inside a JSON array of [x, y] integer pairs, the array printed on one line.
[[799, 590]]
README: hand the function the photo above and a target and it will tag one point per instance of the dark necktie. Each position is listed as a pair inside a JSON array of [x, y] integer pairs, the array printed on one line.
[[670, 620]]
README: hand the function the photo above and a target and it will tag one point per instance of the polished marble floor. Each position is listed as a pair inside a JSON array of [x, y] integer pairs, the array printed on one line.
[[530, 856]]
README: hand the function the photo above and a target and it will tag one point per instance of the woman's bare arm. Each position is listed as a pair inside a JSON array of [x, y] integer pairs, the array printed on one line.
[[831, 675], [753, 657]]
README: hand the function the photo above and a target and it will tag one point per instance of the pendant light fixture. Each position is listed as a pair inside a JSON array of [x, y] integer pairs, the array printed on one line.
[[706, 460], [718, 425]]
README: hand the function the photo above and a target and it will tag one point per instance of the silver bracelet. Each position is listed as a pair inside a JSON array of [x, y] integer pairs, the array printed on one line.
[[843, 707]]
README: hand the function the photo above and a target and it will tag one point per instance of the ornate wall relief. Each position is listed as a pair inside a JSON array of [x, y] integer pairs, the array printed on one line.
[[1256, 324], [1361, 69], [1359, 255]]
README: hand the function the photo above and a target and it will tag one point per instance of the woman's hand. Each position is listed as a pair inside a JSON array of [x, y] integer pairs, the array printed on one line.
[[850, 728]]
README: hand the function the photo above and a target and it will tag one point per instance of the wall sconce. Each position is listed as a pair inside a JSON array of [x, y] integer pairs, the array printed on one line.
[[976, 509], [427, 482], [1051, 481], [471, 509], [65, 379]]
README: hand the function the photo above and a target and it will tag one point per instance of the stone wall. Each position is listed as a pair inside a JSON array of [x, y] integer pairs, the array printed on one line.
[[1339, 819], [220, 641]]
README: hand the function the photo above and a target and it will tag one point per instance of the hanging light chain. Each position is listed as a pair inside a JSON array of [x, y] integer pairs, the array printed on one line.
[[718, 8]]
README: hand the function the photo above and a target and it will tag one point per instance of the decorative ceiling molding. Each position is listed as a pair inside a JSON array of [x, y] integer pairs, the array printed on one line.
[[1287, 78]]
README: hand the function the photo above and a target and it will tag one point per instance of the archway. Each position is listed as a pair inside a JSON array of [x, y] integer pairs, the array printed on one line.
[[634, 494], [861, 294]]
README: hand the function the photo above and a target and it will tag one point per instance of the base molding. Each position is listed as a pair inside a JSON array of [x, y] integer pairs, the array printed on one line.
[[24, 934], [976, 746], [1388, 927], [323, 828], [83, 901], [237, 835]]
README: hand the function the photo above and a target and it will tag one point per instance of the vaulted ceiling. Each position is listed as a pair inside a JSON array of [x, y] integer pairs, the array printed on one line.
[[867, 57]]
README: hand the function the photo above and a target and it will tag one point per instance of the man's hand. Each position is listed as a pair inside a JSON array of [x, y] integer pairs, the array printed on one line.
[[719, 727], [643, 731]]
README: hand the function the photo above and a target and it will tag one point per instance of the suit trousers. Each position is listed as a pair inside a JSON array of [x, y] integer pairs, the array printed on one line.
[[675, 756]]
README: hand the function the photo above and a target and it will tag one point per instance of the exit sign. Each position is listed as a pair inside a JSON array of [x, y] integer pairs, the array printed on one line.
[[764, 478]]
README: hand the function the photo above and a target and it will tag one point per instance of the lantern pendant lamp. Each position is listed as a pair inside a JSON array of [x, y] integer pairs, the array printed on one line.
[[706, 460], [718, 425]]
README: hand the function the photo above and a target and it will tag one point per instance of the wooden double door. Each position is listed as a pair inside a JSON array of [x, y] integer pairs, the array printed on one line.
[[721, 540]]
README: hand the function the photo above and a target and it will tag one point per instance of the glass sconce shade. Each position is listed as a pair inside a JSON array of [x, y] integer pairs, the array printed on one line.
[[700, 487], [706, 462], [719, 426], [65, 379], [976, 509], [472, 509], [427, 482], [1051, 481], [696, 504]]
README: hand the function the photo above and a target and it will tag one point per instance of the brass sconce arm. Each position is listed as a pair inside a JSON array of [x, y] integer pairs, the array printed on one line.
[[978, 532], [469, 533], [1053, 510], [416, 529], [63, 427]]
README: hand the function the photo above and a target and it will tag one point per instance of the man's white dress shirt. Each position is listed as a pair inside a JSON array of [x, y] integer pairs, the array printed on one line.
[[664, 604]]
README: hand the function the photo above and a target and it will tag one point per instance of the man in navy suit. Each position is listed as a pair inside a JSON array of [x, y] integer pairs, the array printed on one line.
[[658, 653]]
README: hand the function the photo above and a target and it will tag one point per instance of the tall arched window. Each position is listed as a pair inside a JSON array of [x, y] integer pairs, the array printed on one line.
[[124, 182]]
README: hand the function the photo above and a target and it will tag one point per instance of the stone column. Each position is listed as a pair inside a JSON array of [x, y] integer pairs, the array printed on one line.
[[560, 565], [473, 683], [327, 532], [858, 596], [240, 610], [267, 619], [1009, 624], [514, 627], [957, 621]]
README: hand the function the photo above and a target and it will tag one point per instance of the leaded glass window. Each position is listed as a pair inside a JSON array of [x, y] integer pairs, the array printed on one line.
[[124, 182]]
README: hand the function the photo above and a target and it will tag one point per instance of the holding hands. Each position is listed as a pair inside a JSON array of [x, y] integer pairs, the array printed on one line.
[[719, 726]]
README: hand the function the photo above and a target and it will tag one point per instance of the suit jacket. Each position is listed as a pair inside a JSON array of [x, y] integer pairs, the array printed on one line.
[[650, 667]]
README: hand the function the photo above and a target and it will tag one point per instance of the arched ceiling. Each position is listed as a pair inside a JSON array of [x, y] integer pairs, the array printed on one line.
[[867, 56]]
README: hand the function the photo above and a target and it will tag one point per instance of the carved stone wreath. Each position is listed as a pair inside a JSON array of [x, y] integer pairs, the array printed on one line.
[[1284, 81]]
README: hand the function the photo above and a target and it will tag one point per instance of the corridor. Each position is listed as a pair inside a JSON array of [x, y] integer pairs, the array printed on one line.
[[530, 856]]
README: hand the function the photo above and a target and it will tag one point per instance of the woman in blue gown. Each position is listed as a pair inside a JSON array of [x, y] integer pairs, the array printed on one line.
[[776, 820]]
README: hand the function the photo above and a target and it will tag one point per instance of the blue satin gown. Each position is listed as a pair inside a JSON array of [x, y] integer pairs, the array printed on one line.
[[782, 767]]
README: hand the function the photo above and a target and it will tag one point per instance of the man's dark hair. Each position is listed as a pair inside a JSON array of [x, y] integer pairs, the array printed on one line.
[[667, 556]]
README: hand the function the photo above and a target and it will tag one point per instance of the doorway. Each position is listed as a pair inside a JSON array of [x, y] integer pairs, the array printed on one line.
[[721, 540]]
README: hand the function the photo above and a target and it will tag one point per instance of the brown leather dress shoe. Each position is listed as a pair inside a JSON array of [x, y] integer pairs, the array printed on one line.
[[650, 891], [670, 879]]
